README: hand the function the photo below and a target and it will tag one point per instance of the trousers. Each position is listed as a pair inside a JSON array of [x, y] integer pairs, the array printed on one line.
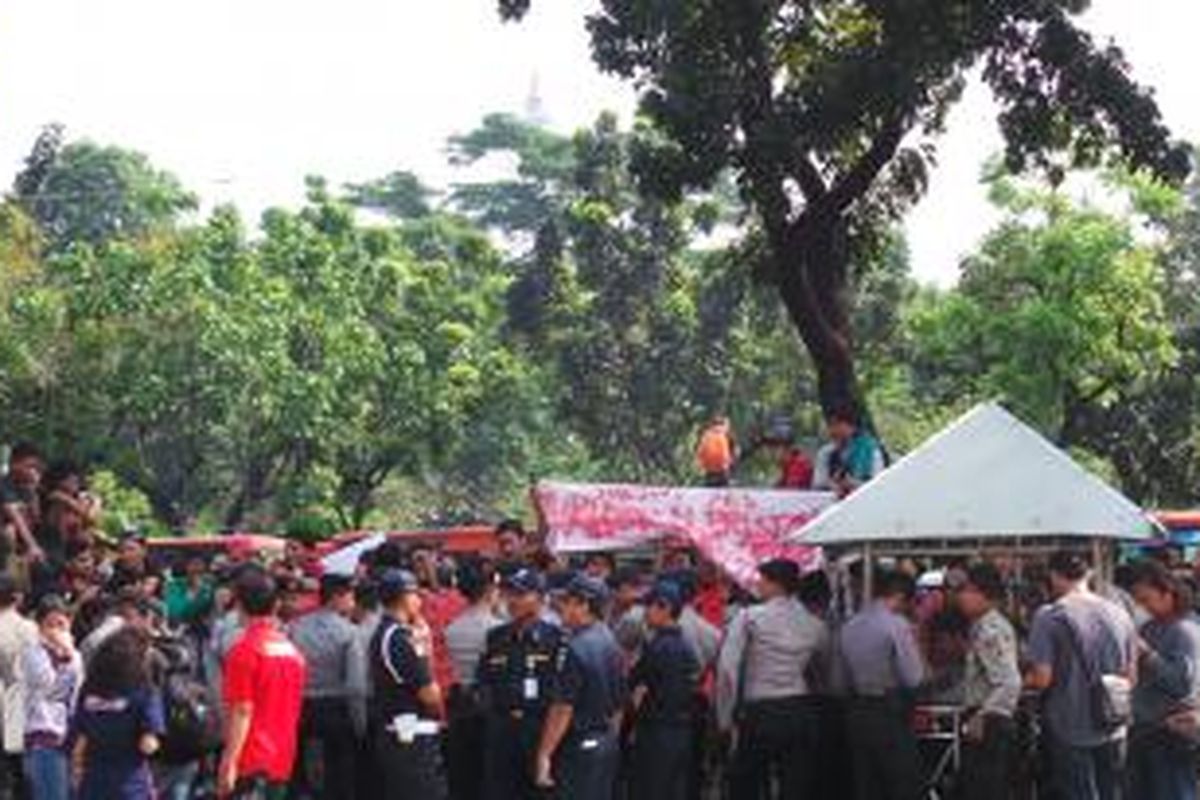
[[325, 767], [410, 770], [662, 757], [586, 767], [775, 746], [884, 749], [1087, 773], [986, 764], [1161, 766]]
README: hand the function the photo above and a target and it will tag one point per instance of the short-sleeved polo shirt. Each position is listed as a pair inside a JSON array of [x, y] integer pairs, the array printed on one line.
[[267, 671]]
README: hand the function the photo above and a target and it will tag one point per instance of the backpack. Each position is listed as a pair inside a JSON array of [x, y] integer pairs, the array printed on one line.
[[1110, 695], [193, 725]]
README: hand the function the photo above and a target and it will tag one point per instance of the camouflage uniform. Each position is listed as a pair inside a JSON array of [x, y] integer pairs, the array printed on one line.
[[991, 691]]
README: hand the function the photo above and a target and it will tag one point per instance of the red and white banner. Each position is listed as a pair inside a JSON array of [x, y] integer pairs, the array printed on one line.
[[736, 528]]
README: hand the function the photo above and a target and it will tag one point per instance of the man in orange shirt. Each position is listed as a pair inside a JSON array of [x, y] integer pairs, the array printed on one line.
[[263, 691], [716, 452]]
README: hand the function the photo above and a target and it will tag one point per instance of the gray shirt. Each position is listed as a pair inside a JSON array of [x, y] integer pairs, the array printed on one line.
[[766, 654], [337, 663], [1169, 674], [879, 653], [992, 682], [466, 640], [1106, 638], [704, 638]]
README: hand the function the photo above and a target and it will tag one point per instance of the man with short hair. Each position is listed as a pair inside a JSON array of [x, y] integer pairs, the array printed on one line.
[[1076, 644], [466, 640], [333, 715], [407, 708], [20, 511], [663, 685], [763, 686], [515, 682], [510, 542], [16, 634], [263, 690], [851, 458], [882, 666], [578, 751], [991, 686]]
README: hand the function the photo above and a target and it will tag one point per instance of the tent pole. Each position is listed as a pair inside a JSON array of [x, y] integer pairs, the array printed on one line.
[[868, 574]]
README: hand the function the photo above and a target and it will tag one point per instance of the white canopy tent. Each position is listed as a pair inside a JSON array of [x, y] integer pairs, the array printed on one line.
[[987, 475], [988, 480]]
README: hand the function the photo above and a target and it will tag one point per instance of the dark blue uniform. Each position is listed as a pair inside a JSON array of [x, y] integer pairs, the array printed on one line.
[[662, 750], [590, 678], [516, 683], [412, 768]]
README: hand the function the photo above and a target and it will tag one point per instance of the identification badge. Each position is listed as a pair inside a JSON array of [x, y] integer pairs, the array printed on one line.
[[531, 689]]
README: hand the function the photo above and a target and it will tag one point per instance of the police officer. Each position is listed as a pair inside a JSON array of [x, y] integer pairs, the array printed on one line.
[[515, 682], [882, 666], [764, 686], [663, 685], [579, 751], [407, 703], [332, 719]]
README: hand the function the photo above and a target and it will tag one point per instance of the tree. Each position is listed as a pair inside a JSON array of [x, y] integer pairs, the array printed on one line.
[[1061, 314], [827, 112], [82, 192], [400, 195]]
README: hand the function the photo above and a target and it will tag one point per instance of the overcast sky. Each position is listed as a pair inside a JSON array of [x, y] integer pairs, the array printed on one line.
[[242, 98]]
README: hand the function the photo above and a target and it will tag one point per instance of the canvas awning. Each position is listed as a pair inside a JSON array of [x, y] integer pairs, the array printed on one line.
[[988, 475]]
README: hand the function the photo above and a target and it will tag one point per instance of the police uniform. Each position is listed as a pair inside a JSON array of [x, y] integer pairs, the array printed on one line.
[[662, 749], [515, 682], [406, 744], [590, 678], [882, 667]]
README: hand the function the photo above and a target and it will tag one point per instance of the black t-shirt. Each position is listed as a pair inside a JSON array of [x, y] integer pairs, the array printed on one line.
[[669, 670]]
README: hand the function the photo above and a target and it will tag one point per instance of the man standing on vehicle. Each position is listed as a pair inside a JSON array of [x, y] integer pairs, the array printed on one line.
[[1084, 654]]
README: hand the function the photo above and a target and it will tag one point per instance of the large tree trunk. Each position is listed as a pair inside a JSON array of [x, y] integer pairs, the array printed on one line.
[[813, 274]]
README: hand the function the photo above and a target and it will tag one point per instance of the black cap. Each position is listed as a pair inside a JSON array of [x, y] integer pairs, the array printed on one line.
[[781, 571], [524, 580], [667, 594], [396, 582], [589, 589]]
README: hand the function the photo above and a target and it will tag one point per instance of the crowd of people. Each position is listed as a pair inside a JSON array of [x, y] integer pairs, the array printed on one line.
[[518, 674]]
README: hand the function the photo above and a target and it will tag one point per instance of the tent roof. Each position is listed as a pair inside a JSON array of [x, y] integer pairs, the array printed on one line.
[[988, 475]]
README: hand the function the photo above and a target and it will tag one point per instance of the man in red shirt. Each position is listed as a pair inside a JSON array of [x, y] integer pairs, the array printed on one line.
[[263, 691]]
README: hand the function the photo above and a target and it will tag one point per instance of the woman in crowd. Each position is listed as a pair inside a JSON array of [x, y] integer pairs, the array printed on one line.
[[51, 671], [118, 722], [1162, 764]]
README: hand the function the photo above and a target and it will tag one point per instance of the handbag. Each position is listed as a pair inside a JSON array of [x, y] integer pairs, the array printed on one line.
[[1111, 695]]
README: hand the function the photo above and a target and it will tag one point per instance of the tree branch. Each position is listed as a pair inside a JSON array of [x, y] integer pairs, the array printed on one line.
[[855, 183]]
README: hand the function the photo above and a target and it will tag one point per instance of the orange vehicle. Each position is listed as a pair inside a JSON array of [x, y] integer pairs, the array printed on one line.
[[462, 539], [170, 549]]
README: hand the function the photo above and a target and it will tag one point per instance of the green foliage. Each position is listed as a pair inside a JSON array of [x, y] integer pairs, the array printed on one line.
[[84, 193], [125, 508], [828, 114]]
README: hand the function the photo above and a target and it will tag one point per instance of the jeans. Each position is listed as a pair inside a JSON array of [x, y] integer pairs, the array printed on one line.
[[776, 740], [1161, 767], [47, 773], [1088, 773], [175, 782]]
